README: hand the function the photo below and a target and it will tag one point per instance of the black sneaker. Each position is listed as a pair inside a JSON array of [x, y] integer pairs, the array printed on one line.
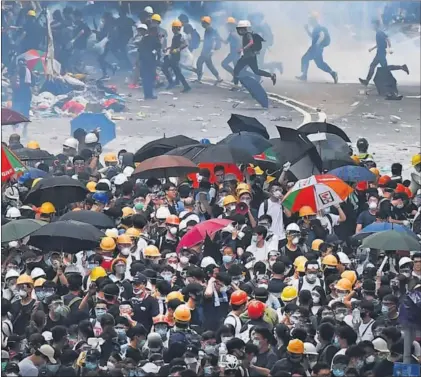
[[301, 78], [273, 77], [335, 77], [405, 69], [186, 89], [363, 82]]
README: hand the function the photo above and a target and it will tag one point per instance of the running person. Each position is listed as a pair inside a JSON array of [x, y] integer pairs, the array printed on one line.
[[234, 42]]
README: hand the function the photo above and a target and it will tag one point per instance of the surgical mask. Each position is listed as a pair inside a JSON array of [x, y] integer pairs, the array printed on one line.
[[400, 206], [141, 343], [184, 260], [370, 359], [40, 295], [295, 240], [91, 266], [210, 349], [225, 339], [232, 207], [99, 313], [125, 251], [167, 276], [263, 285], [227, 259], [338, 372], [385, 309], [120, 269], [173, 230], [339, 317], [311, 277], [372, 205], [406, 272], [22, 293], [90, 365], [316, 298], [256, 342], [342, 295], [254, 238], [336, 341]]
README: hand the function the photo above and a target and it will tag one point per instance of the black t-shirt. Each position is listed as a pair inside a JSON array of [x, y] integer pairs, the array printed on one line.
[[385, 207], [21, 316], [266, 359], [366, 218], [381, 41], [133, 353], [81, 42], [144, 310], [292, 254], [50, 323], [276, 286]]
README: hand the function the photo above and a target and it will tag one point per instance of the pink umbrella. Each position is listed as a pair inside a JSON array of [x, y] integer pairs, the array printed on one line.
[[11, 117], [198, 233]]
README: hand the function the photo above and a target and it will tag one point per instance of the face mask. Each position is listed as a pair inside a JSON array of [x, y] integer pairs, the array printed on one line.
[[210, 349], [162, 332], [399, 206], [341, 295], [91, 266], [184, 260], [173, 230], [339, 317], [370, 359], [232, 207], [208, 371], [40, 295], [99, 313], [263, 285], [90, 365], [120, 269], [253, 360], [3, 365], [372, 205], [227, 259], [254, 238], [295, 240], [141, 343], [190, 360], [125, 251], [167, 276], [338, 372], [316, 299], [336, 342], [225, 339], [22, 293], [385, 310], [256, 342], [311, 277]]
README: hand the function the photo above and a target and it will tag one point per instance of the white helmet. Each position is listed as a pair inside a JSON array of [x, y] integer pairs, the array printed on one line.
[[13, 213], [37, 272], [91, 138], [310, 349], [162, 213], [139, 25], [293, 227], [404, 260], [128, 171], [244, 23], [12, 274], [207, 261], [112, 232], [12, 193], [231, 362], [71, 142], [107, 181], [148, 10], [380, 345], [343, 258], [119, 179]]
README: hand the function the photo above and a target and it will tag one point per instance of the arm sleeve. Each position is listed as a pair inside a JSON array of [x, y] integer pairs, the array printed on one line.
[[360, 218]]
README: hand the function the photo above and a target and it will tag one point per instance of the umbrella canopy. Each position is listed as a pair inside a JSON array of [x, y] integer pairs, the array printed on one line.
[[239, 123], [256, 90], [161, 146], [215, 153], [10, 164], [377, 227], [91, 121], [228, 169], [354, 173], [36, 60], [18, 229], [318, 192], [198, 233], [250, 141], [67, 236], [27, 154], [11, 117], [97, 219], [315, 127], [392, 240], [58, 190], [165, 167], [35, 173]]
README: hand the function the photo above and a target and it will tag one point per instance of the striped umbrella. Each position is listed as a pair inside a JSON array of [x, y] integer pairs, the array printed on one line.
[[318, 192], [10, 164]]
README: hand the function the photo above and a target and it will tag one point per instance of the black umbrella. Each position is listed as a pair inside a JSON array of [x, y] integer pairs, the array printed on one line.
[[213, 153], [97, 219], [27, 154], [161, 146], [256, 90], [240, 123], [58, 190], [315, 127], [67, 236], [250, 141]]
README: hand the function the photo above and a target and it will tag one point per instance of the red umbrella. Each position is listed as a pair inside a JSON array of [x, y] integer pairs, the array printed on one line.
[[198, 233], [11, 117]]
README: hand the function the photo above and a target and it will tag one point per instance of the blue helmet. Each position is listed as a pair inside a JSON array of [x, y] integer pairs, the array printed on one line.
[[22, 179], [101, 197], [205, 141]]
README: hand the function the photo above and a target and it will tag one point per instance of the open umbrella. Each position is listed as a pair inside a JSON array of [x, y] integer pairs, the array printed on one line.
[[36, 60], [58, 190], [198, 233], [92, 121], [315, 127], [252, 142], [67, 236], [97, 219], [27, 154], [11, 117], [228, 169], [215, 153], [10, 164], [392, 240], [165, 167], [161, 146], [18, 229], [238, 123], [256, 90], [353, 173], [317, 191], [377, 227]]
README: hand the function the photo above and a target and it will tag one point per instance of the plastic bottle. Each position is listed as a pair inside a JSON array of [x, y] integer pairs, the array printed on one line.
[[223, 352]]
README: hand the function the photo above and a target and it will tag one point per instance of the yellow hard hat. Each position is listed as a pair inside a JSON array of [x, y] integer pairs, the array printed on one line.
[[258, 171], [151, 251], [39, 282], [97, 272], [356, 159], [117, 260], [128, 211], [156, 17], [270, 179], [174, 295], [330, 260], [33, 144], [124, 239], [206, 19], [107, 244], [289, 293], [242, 186], [110, 157], [416, 159], [91, 186], [182, 313], [229, 199], [375, 171], [231, 20], [176, 23], [35, 181], [306, 211], [133, 232], [76, 209], [31, 13], [47, 208], [243, 192], [350, 275], [295, 346], [315, 245], [344, 284], [300, 263], [24, 279]]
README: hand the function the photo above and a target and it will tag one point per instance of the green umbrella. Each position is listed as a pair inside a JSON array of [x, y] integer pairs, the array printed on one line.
[[17, 165], [392, 240], [18, 229]]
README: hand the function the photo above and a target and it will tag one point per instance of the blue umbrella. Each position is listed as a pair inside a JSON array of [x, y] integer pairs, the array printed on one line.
[[256, 90], [350, 173], [380, 227], [32, 173], [91, 121]]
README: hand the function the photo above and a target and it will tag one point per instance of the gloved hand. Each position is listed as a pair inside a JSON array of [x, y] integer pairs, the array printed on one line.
[[406, 223], [286, 166]]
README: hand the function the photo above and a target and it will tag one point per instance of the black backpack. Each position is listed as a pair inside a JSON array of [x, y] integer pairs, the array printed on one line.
[[257, 42]]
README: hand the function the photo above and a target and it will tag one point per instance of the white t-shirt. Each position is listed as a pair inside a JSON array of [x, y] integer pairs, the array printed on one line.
[[329, 225], [276, 212], [27, 368], [365, 331], [233, 320]]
